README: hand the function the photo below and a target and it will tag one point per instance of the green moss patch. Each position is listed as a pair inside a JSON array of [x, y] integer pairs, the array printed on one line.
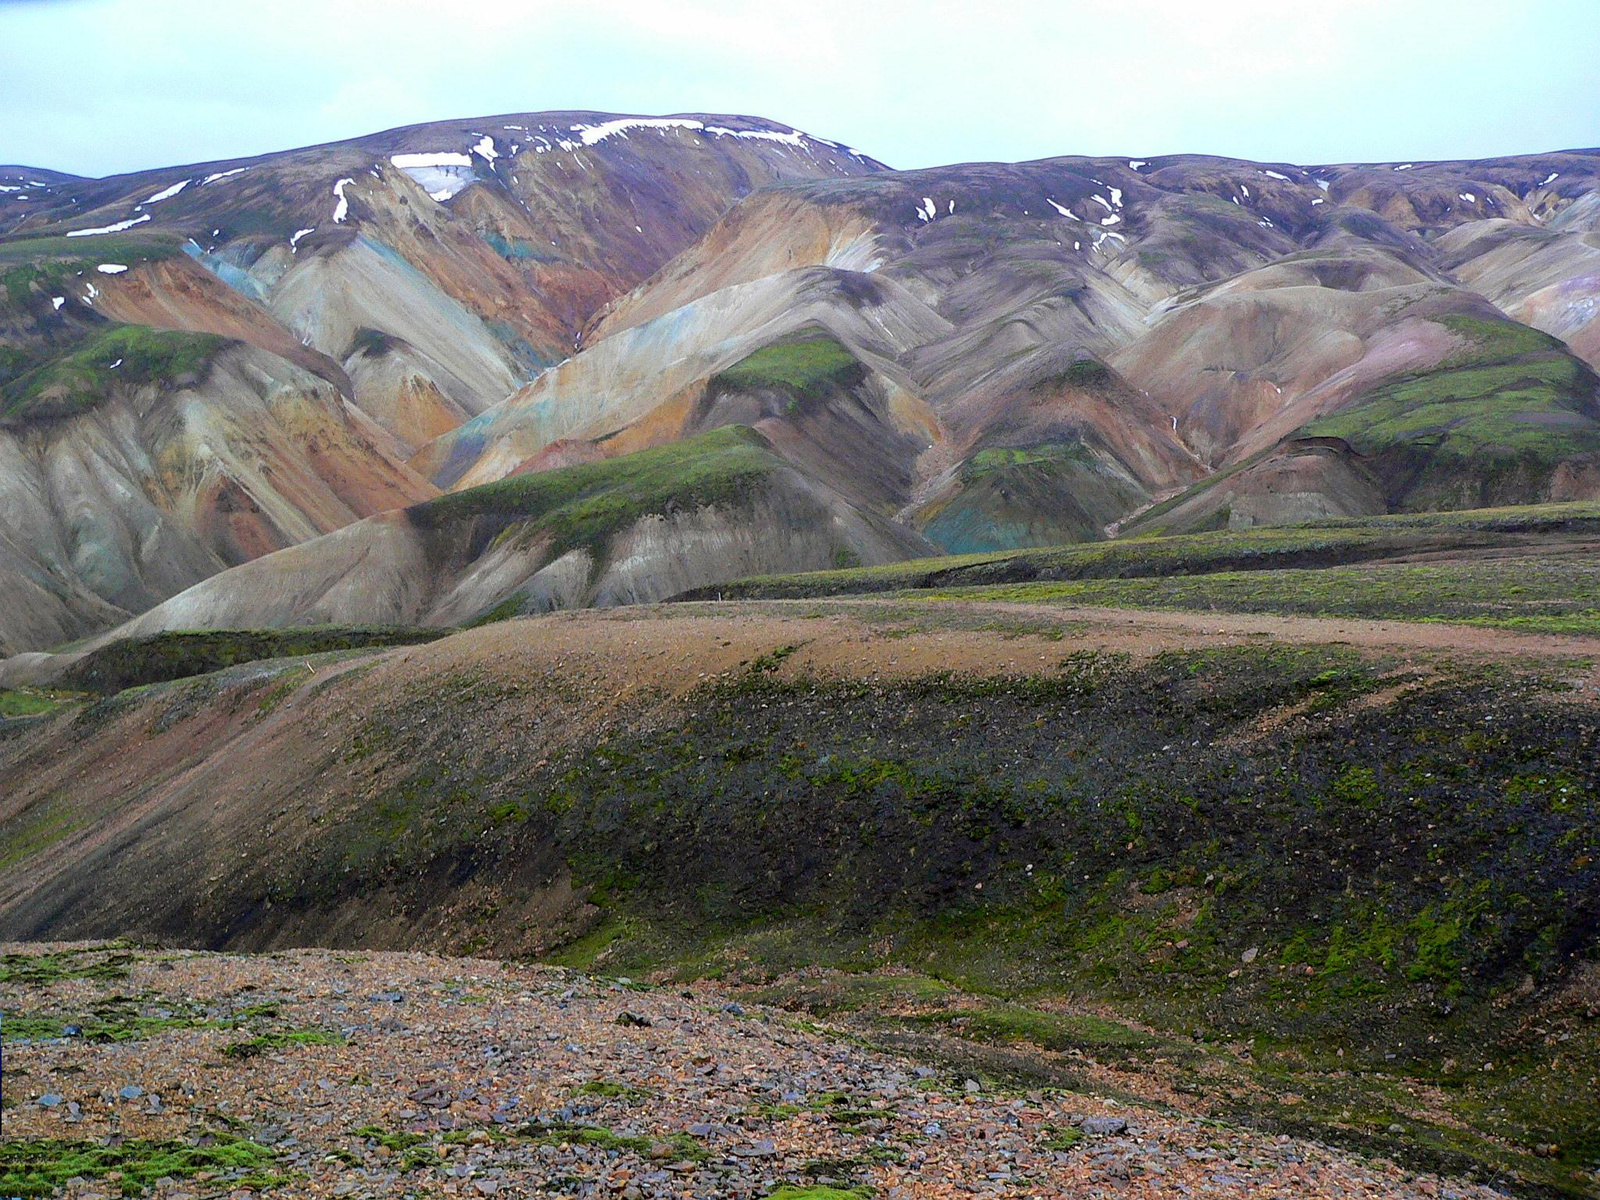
[[132, 355], [161, 657], [805, 367], [41, 1167], [584, 505]]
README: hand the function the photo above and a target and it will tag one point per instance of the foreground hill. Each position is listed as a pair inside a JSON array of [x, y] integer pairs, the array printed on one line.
[[637, 1090], [1314, 841], [331, 309]]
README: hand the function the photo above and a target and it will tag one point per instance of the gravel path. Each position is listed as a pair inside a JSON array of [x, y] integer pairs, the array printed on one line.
[[465, 1077]]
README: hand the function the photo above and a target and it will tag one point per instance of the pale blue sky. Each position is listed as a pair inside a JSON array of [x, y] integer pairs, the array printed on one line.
[[97, 86]]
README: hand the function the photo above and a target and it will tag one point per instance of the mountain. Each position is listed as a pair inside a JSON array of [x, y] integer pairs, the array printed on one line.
[[203, 364], [965, 358]]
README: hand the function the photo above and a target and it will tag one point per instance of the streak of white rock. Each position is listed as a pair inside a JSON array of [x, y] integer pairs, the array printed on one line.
[[111, 268], [342, 209], [1061, 208], [298, 234], [223, 175], [168, 193], [117, 228]]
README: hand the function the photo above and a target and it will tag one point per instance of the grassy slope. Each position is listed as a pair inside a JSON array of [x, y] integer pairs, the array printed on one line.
[[584, 505], [1513, 405], [133, 662], [1123, 835], [82, 378], [1316, 544], [804, 366]]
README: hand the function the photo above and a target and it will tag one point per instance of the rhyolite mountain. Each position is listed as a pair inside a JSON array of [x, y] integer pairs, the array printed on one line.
[[513, 363]]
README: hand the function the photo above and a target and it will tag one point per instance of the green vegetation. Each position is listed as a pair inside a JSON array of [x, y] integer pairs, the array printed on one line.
[[612, 1090], [29, 702], [161, 657], [583, 506], [1487, 425], [805, 367], [122, 1020], [1537, 593], [38, 970], [680, 1146], [42, 1166], [1052, 1031], [1314, 544], [271, 1043], [53, 255], [791, 1192], [82, 379]]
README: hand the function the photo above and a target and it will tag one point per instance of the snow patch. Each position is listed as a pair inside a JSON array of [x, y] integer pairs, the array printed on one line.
[[111, 268], [1116, 197], [342, 209], [1405, 166], [1468, 197], [1550, 178], [117, 228], [298, 234], [1245, 190], [927, 210], [1135, 163], [1317, 201], [6, 187], [441, 175], [1102, 202], [445, 158], [1061, 208], [115, 365], [1324, 184], [485, 149], [168, 193], [1111, 220], [56, 302], [223, 175], [1275, 175]]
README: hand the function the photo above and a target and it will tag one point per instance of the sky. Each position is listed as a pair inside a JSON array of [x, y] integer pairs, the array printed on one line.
[[102, 86]]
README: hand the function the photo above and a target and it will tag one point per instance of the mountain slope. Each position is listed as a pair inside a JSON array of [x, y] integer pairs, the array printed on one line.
[[1094, 335], [417, 275]]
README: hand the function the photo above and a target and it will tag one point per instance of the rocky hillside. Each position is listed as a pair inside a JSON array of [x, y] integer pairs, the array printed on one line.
[[375, 294], [1076, 339], [967, 358]]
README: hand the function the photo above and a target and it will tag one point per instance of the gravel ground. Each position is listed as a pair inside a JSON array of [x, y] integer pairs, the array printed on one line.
[[480, 1076]]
